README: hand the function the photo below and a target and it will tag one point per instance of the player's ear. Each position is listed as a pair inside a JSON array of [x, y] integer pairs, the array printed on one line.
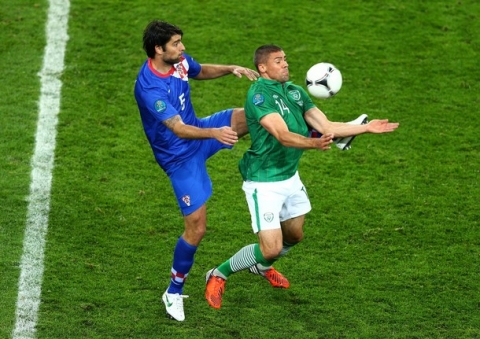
[[159, 50]]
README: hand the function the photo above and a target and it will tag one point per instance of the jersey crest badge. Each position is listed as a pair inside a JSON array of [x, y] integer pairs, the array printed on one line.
[[268, 216], [186, 199], [160, 106], [295, 95], [258, 99]]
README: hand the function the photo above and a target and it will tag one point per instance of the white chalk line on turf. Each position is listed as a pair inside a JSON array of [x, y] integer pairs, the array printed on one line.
[[31, 264]]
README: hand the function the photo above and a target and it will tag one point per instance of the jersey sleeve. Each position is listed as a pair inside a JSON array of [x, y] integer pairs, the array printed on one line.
[[258, 104], [159, 105]]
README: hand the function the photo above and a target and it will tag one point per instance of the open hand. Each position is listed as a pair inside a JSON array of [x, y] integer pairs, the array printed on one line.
[[226, 135], [324, 141], [249, 73], [381, 126]]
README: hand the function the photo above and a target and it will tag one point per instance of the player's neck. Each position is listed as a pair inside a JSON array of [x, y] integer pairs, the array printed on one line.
[[160, 66]]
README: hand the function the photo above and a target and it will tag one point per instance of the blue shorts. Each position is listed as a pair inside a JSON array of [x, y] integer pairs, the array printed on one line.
[[190, 181]]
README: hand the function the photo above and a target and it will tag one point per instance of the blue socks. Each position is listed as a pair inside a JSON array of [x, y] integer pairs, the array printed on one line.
[[183, 258]]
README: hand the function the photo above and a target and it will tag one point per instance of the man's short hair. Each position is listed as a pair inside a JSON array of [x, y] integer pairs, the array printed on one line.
[[262, 53]]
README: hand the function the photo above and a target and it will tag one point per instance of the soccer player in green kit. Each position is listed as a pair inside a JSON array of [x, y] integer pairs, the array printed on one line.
[[277, 113]]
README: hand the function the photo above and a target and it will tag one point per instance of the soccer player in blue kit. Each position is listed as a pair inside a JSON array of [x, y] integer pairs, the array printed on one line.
[[180, 141]]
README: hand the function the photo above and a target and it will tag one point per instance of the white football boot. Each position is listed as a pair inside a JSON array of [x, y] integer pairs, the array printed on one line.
[[345, 143], [174, 305]]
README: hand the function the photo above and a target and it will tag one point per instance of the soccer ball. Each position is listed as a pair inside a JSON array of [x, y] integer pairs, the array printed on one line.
[[323, 80]]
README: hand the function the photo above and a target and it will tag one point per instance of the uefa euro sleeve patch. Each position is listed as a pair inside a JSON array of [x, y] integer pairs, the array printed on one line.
[[258, 99], [160, 106]]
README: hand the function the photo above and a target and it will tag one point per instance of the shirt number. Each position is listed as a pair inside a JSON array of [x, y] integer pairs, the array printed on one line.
[[182, 100], [283, 108]]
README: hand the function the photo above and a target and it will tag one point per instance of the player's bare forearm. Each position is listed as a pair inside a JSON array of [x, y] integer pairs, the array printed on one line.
[[276, 126], [376, 126], [317, 119], [289, 139], [225, 135], [181, 130], [340, 129], [211, 71]]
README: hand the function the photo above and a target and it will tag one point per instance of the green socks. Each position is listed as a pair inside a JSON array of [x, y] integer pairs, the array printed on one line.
[[247, 257], [243, 259]]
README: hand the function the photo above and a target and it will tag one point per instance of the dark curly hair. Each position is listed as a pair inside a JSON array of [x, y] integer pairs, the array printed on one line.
[[158, 33]]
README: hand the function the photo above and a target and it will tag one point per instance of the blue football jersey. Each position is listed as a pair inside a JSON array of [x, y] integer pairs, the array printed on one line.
[[160, 97]]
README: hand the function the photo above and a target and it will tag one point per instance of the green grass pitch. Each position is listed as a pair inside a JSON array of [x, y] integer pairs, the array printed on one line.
[[392, 245]]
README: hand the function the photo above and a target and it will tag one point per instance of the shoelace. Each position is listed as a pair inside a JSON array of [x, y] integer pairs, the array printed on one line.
[[178, 301]]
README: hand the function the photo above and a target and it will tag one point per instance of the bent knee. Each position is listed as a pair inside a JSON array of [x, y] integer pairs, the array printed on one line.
[[294, 239], [271, 252], [194, 235], [195, 227]]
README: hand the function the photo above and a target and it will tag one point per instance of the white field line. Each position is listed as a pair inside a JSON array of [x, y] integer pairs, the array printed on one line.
[[31, 264]]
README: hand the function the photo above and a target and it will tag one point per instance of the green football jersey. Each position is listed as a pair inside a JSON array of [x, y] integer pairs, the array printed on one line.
[[267, 159]]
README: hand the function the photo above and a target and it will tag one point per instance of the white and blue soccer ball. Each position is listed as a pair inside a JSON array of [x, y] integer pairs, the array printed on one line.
[[323, 80]]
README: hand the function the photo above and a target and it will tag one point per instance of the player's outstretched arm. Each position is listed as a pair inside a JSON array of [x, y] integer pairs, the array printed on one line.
[[317, 119], [224, 134], [210, 71]]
